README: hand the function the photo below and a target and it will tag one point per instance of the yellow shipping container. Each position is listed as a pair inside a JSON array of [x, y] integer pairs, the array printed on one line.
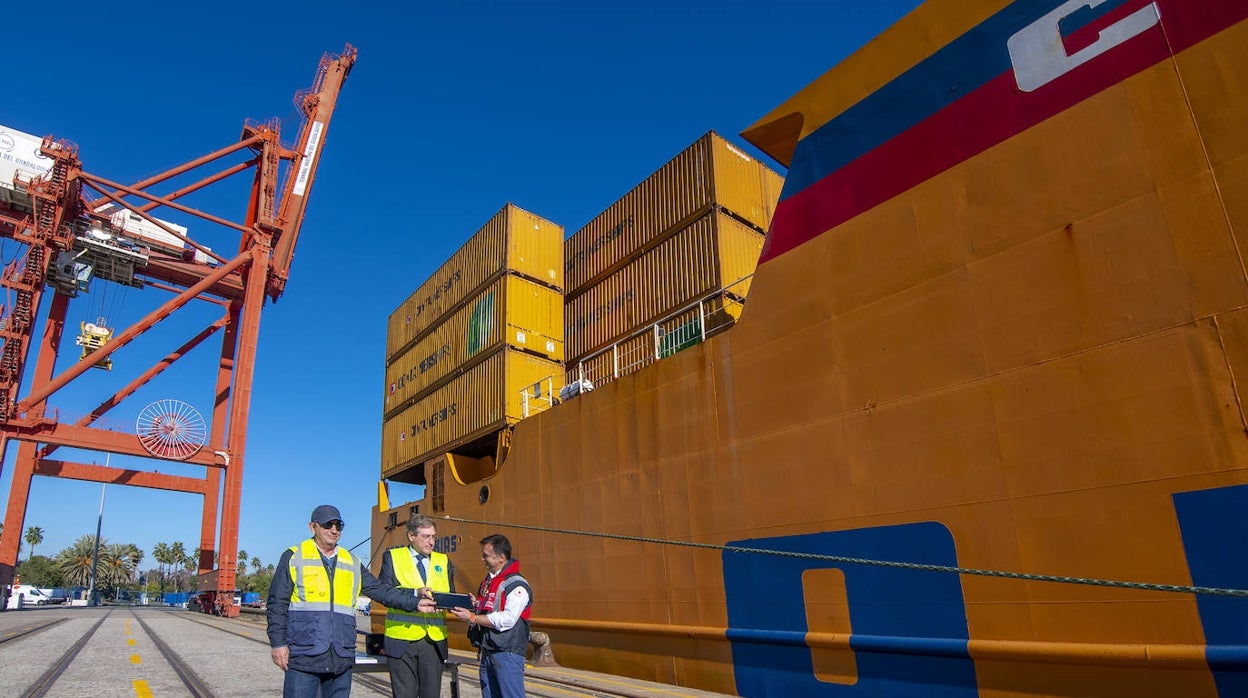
[[514, 240], [484, 399], [712, 252], [511, 310], [711, 172]]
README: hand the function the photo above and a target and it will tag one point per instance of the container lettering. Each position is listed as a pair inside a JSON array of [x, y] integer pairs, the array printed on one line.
[[605, 309], [601, 241], [435, 418]]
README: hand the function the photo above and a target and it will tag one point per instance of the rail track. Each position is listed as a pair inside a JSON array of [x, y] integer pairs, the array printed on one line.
[[146, 652], [535, 686], [30, 629]]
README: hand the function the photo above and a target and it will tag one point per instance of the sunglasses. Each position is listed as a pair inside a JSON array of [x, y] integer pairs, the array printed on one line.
[[333, 524]]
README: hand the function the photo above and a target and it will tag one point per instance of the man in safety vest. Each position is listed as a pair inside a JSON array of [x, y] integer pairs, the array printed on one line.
[[415, 643], [311, 610]]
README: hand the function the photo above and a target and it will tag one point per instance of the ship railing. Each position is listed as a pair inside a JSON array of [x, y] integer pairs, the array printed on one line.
[[537, 397], [685, 327]]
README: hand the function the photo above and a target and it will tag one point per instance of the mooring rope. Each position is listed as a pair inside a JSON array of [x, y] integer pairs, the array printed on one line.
[[1146, 586]]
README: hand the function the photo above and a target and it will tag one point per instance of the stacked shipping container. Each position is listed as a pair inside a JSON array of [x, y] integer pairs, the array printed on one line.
[[492, 321], [511, 310], [694, 226], [461, 349], [513, 241]]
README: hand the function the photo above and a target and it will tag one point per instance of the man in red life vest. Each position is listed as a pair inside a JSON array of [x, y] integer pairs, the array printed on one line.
[[499, 625]]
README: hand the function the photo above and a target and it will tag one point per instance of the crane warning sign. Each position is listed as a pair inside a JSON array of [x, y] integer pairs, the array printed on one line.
[[309, 154]]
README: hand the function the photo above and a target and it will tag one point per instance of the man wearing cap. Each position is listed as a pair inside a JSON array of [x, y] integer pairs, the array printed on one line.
[[311, 610], [416, 642]]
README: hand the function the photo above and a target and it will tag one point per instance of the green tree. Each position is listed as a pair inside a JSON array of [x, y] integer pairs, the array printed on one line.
[[74, 562], [40, 571], [241, 566], [177, 553], [118, 562], [255, 563], [259, 582], [161, 552], [136, 556], [34, 536]]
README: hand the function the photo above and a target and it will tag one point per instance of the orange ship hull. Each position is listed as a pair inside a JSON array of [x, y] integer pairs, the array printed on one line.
[[998, 334]]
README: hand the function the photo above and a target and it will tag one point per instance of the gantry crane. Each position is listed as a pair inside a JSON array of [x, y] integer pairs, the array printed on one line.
[[66, 216]]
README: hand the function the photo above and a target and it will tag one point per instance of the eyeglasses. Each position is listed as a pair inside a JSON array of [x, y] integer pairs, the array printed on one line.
[[333, 524], [425, 536]]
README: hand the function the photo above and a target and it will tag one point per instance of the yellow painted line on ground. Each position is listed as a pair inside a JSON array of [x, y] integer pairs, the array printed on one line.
[[136, 659], [141, 689], [127, 626], [130, 642]]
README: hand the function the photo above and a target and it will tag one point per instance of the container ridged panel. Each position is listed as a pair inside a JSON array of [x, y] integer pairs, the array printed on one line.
[[535, 247], [712, 252], [512, 310], [744, 186], [513, 240], [676, 192], [485, 398], [709, 172]]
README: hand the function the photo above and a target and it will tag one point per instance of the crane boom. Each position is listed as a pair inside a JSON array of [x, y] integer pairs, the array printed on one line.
[[317, 105]]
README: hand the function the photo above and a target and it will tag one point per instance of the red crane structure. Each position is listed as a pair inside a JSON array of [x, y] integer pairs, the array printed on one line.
[[73, 223]]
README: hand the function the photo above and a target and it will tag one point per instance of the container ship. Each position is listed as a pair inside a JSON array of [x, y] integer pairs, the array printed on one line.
[[973, 425]]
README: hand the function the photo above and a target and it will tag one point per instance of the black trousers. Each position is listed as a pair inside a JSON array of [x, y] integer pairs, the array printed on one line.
[[418, 673]]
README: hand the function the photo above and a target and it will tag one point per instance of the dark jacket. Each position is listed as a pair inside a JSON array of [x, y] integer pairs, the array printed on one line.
[[395, 647], [328, 662]]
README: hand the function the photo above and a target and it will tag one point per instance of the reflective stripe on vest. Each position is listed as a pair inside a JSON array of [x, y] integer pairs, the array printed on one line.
[[311, 590], [402, 625]]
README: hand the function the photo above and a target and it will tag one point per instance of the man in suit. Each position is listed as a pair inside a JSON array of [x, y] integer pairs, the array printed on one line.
[[415, 643]]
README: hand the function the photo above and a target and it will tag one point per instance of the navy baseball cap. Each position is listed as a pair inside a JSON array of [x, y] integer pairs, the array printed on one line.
[[325, 513]]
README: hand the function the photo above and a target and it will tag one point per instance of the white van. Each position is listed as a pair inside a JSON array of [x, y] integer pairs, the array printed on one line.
[[21, 595]]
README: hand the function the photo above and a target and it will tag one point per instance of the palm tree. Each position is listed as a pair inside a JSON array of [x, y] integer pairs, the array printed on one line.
[[242, 563], [34, 536], [160, 552], [255, 563], [75, 561], [115, 569], [132, 556], [177, 553]]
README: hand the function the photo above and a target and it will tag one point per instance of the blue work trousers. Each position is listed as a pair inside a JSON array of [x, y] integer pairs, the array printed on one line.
[[502, 675], [301, 684]]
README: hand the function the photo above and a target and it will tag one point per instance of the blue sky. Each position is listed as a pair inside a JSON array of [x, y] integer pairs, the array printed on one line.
[[453, 109]]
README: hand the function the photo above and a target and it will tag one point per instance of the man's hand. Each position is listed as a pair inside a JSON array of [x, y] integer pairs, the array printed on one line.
[[426, 606], [281, 656]]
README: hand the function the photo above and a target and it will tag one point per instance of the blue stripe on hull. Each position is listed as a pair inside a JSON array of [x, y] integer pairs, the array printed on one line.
[[1214, 525], [909, 627]]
